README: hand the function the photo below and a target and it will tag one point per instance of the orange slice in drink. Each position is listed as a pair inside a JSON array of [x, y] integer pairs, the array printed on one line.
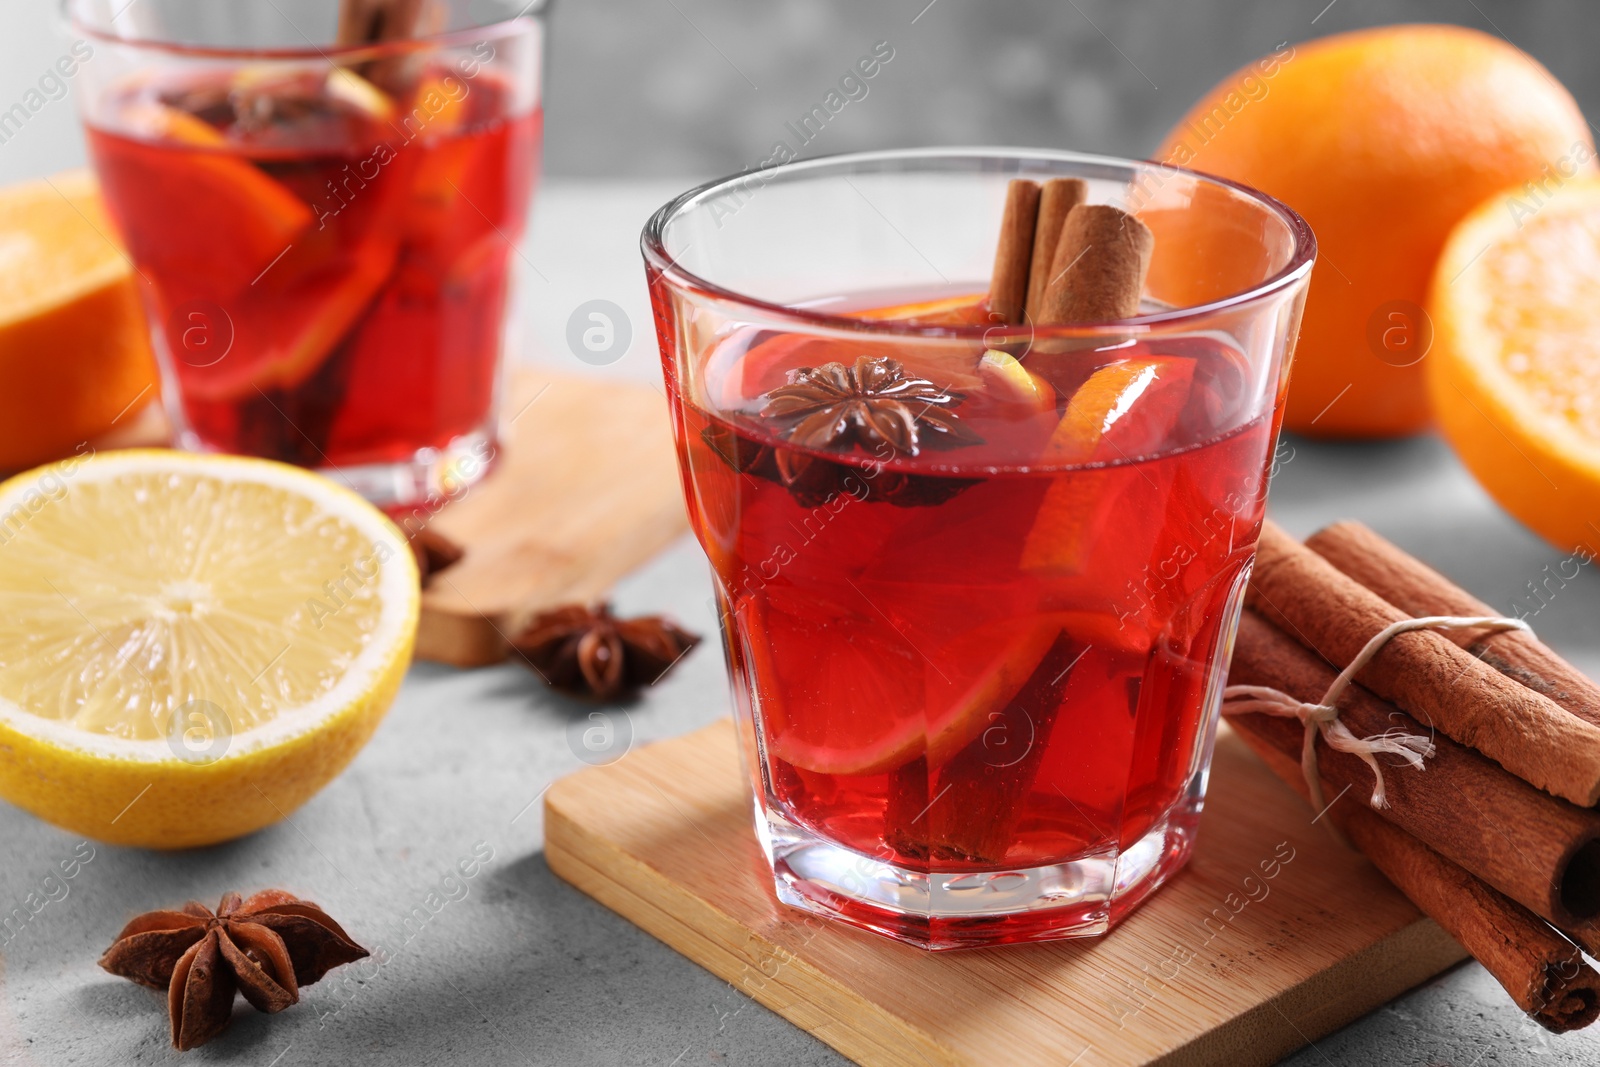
[[1125, 410], [444, 166], [155, 121], [885, 693], [193, 215], [1007, 377], [285, 326], [855, 710], [351, 88], [444, 112], [247, 218], [962, 704], [965, 310]]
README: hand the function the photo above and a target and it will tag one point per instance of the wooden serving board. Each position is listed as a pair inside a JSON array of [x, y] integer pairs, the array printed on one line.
[[1223, 966], [585, 489]]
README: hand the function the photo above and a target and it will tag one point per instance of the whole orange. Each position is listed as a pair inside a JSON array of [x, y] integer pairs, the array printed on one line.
[[1383, 139]]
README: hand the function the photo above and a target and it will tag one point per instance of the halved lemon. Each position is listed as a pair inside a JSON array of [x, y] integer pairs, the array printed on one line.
[[191, 646], [1514, 374]]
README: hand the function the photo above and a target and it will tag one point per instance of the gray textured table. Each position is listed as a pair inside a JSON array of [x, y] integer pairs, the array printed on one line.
[[520, 968]]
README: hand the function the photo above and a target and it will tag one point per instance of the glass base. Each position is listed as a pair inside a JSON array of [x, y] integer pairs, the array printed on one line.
[[1082, 898], [431, 478]]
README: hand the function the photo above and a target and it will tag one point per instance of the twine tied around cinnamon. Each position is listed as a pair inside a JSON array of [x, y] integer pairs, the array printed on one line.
[[1323, 717]]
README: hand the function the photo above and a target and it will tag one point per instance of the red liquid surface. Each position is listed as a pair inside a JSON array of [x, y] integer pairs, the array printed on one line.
[[330, 280], [969, 658]]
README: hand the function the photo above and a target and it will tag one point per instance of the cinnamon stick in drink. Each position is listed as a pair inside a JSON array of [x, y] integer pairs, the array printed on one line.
[[1008, 285], [1099, 268], [905, 811], [981, 789], [1542, 852], [1417, 589], [1056, 200], [371, 21], [1425, 673], [1541, 970], [376, 21]]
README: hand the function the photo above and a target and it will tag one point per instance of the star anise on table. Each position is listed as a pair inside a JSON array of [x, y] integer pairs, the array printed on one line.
[[590, 652], [265, 947], [873, 403]]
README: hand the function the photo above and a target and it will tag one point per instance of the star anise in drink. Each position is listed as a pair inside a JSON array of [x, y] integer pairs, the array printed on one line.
[[266, 947], [590, 652], [874, 403]]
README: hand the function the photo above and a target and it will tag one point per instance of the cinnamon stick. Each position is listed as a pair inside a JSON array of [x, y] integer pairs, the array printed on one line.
[[376, 21], [1417, 589], [1008, 285], [982, 789], [968, 807], [371, 21], [1056, 200], [1585, 936], [905, 811], [1542, 852], [1542, 971], [1425, 673], [1099, 267]]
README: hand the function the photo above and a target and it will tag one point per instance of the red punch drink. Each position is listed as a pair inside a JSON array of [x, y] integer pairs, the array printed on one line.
[[326, 247], [978, 591], [955, 660]]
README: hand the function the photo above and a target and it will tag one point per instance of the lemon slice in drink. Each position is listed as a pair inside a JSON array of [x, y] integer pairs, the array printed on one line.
[[191, 646]]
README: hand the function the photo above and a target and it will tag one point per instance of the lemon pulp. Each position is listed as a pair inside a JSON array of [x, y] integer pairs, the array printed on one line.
[[223, 632]]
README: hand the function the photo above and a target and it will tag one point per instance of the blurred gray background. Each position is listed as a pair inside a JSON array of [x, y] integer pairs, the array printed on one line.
[[698, 88]]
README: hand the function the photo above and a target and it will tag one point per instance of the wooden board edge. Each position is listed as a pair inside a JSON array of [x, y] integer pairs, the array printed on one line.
[[1335, 997], [768, 973], [459, 640]]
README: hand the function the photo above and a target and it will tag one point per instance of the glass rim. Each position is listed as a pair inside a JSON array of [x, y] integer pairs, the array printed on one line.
[[652, 243], [70, 12]]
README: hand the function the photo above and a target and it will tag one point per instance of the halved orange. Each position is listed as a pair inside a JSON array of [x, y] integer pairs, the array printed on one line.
[[1514, 375], [74, 349]]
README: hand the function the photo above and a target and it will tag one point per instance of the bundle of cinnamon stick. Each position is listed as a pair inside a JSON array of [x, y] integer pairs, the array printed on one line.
[[1497, 839]]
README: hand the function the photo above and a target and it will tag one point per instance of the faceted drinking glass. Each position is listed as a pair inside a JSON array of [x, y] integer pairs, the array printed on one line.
[[324, 231], [976, 689]]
